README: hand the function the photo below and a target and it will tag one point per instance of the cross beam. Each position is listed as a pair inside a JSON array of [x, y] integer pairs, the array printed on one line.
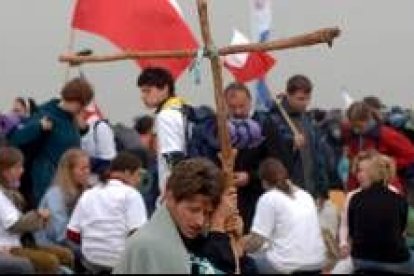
[[326, 35]]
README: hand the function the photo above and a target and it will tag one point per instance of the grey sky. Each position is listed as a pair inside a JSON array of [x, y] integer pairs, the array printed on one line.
[[372, 57]]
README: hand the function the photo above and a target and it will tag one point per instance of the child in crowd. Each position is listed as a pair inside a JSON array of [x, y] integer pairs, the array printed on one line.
[[70, 181], [365, 132], [108, 214], [56, 127], [98, 142], [13, 223], [375, 219], [286, 235]]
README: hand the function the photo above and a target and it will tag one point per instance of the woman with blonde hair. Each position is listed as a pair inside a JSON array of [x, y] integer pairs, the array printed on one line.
[[70, 180], [365, 131], [375, 219]]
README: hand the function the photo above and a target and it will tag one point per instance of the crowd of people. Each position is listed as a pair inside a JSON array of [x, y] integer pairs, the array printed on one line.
[[315, 191]]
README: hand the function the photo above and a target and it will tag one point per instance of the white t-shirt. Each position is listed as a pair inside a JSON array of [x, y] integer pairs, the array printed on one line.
[[169, 126], [99, 142], [9, 215], [104, 217], [292, 229]]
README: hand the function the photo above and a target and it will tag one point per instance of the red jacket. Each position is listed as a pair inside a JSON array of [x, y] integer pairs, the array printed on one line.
[[386, 141]]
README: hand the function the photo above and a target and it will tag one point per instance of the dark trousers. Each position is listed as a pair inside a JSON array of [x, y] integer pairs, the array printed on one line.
[[14, 265]]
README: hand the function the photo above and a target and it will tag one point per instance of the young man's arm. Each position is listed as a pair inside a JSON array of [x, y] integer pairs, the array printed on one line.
[[264, 224], [16, 222], [31, 131], [171, 136], [253, 243], [29, 222]]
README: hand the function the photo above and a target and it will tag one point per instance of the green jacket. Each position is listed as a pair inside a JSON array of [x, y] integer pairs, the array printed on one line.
[[50, 145], [156, 248]]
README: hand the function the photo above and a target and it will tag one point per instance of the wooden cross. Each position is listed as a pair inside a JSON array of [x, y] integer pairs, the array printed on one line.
[[213, 54], [227, 155]]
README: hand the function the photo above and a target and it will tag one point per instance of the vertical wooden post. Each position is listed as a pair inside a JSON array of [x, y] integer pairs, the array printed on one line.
[[227, 155]]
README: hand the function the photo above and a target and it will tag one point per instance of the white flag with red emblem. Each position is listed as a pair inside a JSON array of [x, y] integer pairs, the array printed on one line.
[[246, 67]]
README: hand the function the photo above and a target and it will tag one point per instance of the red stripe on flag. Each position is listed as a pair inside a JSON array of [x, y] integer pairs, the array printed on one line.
[[138, 25]]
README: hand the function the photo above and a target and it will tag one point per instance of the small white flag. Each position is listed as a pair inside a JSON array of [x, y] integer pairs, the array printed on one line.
[[238, 60], [347, 97]]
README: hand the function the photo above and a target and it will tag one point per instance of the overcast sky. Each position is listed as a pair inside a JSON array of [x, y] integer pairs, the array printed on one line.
[[374, 55]]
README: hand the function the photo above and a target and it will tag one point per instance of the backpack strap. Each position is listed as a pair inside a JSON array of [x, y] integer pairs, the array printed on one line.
[[95, 131], [187, 111]]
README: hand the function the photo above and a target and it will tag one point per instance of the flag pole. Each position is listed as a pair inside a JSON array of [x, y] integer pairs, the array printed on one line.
[[70, 47]]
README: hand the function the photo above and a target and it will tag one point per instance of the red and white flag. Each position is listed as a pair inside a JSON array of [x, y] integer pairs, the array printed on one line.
[[246, 67], [139, 25]]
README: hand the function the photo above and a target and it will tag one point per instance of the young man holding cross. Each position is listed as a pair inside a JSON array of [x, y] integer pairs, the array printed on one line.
[[188, 234], [158, 92], [301, 152]]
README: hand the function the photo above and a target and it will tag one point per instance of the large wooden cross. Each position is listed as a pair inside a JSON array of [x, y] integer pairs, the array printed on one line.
[[214, 54]]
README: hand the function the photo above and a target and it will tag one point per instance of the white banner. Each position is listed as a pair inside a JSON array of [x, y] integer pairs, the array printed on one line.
[[261, 18]]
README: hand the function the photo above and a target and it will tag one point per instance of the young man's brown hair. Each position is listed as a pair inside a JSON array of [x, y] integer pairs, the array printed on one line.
[[78, 90], [125, 161], [197, 176], [276, 175], [299, 83], [236, 86]]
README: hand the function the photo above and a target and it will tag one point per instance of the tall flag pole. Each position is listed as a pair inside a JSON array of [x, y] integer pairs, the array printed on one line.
[[261, 18]]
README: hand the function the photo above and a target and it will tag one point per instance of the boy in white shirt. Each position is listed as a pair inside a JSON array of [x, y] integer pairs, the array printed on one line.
[[108, 214], [158, 92], [98, 142]]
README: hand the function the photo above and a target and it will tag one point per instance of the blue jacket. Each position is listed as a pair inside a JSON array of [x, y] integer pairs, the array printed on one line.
[[55, 233]]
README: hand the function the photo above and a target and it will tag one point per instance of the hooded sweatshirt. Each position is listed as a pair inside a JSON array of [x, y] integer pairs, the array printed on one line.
[[49, 145]]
